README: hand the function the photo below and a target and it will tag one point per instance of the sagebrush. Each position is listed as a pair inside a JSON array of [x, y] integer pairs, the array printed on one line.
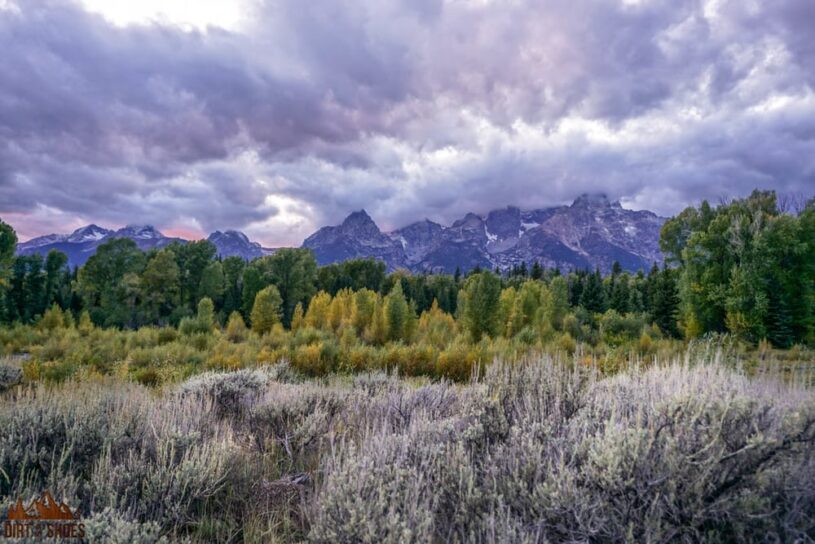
[[544, 450]]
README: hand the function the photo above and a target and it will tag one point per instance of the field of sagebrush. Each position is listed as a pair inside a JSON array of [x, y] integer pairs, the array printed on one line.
[[544, 450]]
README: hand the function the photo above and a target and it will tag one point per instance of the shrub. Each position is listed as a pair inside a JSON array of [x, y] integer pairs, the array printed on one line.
[[9, 376], [110, 527], [456, 363], [148, 376], [295, 419], [547, 453], [236, 330], [52, 319], [316, 359], [566, 343], [232, 392], [202, 323], [167, 335]]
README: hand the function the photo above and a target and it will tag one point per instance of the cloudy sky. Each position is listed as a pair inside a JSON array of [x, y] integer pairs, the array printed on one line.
[[279, 116]]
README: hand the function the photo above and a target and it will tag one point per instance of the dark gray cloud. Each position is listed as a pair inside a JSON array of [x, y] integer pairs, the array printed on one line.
[[409, 109]]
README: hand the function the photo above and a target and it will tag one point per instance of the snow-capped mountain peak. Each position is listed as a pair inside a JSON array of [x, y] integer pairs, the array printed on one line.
[[89, 233], [140, 232]]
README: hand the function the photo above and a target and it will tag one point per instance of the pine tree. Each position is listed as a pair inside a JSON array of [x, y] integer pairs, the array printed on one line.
[[8, 244], [592, 297], [665, 304], [481, 294], [396, 313], [779, 317], [537, 271], [620, 293]]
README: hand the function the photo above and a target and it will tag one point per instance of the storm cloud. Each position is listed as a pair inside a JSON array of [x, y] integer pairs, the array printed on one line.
[[406, 108]]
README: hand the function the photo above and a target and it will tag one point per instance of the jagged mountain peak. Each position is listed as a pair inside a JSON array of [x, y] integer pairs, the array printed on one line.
[[143, 232], [594, 200], [88, 233], [228, 234], [357, 237], [423, 224], [359, 217], [233, 243], [469, 220]]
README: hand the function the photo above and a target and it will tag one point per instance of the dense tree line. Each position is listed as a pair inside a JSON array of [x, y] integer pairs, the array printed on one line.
[[744, 267], [122, 286]]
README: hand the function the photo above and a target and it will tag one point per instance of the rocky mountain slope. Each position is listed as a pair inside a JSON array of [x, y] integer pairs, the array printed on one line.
[[232, 243], [82, 243], [357, 236], [592, 232]]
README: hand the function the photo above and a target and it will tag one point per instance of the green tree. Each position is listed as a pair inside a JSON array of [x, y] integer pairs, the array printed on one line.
[[592, 297], [620, 294], [252, 282], [396, 314], [25, 297], [206, 313], [478, 304], [665, 307], [161, 287], [101, 282], [57, 279], [556, 304], [293, 272], [743, 267], [780, 322], [192, 259], [233, 268], [8, 244], [266, 310], [213, 283]]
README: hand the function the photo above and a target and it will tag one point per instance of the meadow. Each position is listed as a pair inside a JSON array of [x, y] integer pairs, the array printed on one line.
[[544, 449]]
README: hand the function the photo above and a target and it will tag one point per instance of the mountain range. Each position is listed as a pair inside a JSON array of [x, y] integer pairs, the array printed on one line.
[[82, 243], [591, 232]]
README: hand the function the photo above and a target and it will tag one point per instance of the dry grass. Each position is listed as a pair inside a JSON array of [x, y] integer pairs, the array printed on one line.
[[534, 451]]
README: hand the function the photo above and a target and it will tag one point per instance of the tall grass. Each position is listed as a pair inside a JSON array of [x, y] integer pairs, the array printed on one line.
[[531, 451]]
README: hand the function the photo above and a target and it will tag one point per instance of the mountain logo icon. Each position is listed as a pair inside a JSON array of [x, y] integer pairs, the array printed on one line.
[[42, 509], [44, 518]]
